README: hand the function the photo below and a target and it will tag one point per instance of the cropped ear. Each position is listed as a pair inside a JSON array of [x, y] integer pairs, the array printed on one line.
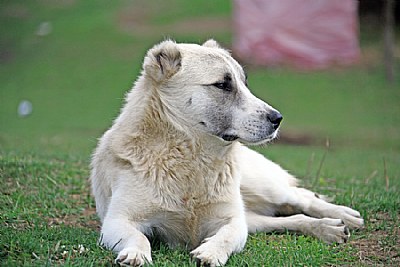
[[162, 61], [211, 43]]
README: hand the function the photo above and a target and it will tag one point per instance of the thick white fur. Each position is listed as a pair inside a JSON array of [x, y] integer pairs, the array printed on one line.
[[162, 170]]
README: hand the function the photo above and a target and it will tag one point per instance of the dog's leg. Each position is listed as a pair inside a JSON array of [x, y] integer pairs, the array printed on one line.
[[312, 204], [123, 235], [329, 224], [268, 190], [215, 250], [326, 229]]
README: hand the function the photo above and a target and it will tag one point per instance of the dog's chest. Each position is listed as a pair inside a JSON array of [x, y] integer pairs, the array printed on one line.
[[182, 175], [189, 188], [191, 185], [190, 223], [192, 210], [190, 192]]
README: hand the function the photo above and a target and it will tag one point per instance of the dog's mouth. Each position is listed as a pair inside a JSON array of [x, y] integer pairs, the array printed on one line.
[[250, 141], [229, 137], [255, 142]]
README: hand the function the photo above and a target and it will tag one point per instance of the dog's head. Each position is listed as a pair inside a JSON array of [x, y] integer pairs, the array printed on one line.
[[204, 89]]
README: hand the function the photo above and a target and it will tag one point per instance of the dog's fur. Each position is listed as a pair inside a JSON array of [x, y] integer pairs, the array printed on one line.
[[173, 165]]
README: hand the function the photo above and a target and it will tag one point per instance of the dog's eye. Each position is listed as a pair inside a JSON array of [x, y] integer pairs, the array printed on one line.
[[223, 86]]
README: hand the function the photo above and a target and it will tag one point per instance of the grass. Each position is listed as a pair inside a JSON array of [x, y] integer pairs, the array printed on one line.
[[76, 78]]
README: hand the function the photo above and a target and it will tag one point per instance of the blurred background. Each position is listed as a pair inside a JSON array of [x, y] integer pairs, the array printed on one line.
[[65, 66]]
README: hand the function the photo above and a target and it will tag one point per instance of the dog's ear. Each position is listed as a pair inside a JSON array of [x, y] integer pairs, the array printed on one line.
[[162, 61], [211, 43]]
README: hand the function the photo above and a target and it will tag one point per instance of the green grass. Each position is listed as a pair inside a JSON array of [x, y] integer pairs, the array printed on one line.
[[76, 78]]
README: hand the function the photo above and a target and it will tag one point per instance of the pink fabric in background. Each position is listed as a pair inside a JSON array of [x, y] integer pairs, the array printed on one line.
[[308, 34]]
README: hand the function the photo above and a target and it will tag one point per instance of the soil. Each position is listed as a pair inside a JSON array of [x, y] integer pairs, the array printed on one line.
[[140, 20], [380, 247]]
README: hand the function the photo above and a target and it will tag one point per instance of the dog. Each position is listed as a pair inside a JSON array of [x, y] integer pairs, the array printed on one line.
[[175, 166]]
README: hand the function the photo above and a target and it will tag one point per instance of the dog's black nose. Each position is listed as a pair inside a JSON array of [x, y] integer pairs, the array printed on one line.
[[275, 118]]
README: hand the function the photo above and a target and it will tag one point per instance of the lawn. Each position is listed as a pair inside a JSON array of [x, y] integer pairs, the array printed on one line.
[[76, 76]]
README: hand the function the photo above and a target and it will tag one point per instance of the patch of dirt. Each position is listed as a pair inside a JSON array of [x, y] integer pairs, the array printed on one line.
[[17, 224], [382, 246], [86, 219], [295, 138], [203, 25], [138, 19], [58, 3], [16, 11], [12, 11]]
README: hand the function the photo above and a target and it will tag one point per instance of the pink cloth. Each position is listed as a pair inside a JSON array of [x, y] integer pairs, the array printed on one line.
[[309, 34]]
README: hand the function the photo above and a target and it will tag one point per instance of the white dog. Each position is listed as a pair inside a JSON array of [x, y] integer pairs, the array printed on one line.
[[173, 166]]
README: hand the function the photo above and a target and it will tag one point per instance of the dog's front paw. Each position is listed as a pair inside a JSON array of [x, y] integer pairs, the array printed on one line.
[[209, 255], [330, 230], [132, 257], [350, 217]]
